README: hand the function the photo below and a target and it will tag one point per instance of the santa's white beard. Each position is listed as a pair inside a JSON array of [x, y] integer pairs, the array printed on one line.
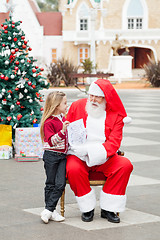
[[95, 110]]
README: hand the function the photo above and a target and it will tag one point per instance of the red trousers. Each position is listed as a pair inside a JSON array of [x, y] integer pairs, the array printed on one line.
[[117, 169]]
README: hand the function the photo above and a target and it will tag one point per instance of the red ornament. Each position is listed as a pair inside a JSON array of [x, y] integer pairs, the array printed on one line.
[[25, 42], [23, 37], [30, 49], [2, 76], [29, 61], [36, 67], [18, 103], [9, 118], [13, 22], [16, 49], [15, 39], [16, 68], [41, 108], [29, 83], [1, 25], [13, 51], [42, 69], [9, 91], [5, 26], [16, 89], [23, 46], [6, 78], [22, 107], [35, 120], [17, 62], [5, 31], [33, 70], [13, 26], [19, 116], [33, 86], [3, 45]]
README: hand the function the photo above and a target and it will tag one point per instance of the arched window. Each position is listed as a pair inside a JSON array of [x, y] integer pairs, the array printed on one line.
[[83, 18], [135, 14]]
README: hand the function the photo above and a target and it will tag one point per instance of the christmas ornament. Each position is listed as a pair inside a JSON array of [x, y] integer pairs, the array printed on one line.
[[18, 103], [41, 108], [16, 68], [6, 62], [23, 46], [9, 38], [12, 106], [19, 116], [6, 31], [29, 83], [12, 76], [6, 78], [25, 90], [3, 45], [16, 88], [30, 100], [33, 70], [2, 76], [15, 39], [35, 120], [3, 90], [19, 44], [33, 86], [9, 118], [34, 75], [5, 26]]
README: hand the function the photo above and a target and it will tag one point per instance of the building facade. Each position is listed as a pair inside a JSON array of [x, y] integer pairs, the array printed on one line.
[[87, 29]]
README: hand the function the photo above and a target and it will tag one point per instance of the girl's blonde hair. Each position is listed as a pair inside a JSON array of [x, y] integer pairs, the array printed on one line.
[[53, 100]]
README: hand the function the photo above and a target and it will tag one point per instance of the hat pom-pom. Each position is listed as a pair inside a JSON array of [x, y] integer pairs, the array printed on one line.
[[127, 120]]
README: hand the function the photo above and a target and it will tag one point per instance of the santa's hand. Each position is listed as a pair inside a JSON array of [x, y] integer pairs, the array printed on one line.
[[80, 149]]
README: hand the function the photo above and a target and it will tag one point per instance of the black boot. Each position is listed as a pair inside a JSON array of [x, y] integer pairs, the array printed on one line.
[[87, 216], [110, 216]]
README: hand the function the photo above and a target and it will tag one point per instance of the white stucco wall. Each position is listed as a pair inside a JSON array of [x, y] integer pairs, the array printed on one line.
[[30, 25], [51, 42]]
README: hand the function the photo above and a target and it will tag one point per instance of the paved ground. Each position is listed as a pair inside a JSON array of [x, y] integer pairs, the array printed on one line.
[[21, 185]]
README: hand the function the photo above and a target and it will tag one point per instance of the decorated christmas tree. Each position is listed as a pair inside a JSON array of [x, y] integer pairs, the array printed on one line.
[[20, 78]]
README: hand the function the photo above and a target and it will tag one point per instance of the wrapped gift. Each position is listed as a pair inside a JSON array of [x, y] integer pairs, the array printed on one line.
[[6, 152], [29, 141], [5, 135], [21, 158]]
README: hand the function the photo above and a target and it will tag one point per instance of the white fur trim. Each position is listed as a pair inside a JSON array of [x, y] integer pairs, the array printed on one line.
[[127, 120], [87, 202], [97, 154], [112, 203], [95, 90]]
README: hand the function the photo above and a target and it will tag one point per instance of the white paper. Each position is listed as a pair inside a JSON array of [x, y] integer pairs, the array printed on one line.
[[76, 133]]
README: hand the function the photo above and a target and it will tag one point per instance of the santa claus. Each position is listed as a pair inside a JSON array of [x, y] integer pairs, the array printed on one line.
[[104, 116]]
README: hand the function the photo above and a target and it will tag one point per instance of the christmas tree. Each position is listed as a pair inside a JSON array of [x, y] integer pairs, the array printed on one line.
[[20, 78]]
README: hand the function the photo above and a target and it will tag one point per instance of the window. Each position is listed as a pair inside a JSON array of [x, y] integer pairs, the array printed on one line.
[[83, 24], [135, 23], [135, 15], [54, 55], [83, 54]]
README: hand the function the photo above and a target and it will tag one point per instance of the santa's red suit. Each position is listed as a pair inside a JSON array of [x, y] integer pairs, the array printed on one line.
[[104, 135]]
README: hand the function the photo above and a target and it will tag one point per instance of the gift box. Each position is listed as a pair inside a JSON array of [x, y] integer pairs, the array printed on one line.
[[20, 158], [5, 135], [6, 152], [29, 141]]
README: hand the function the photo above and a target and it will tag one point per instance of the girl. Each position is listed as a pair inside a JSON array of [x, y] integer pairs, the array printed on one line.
[[54, 137]]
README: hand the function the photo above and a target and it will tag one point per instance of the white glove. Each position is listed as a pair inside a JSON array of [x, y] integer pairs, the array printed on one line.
[[80, 150]]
